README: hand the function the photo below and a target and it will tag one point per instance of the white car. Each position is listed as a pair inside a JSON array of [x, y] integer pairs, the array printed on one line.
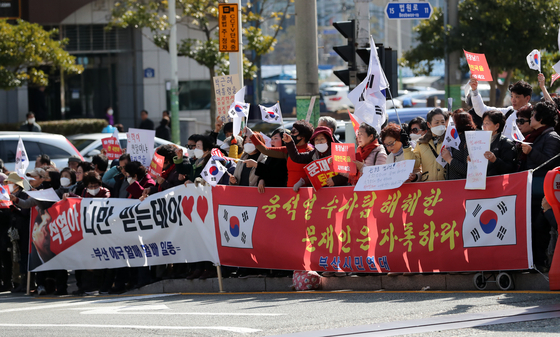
[[57, 147], [90, 144], [336, 98]]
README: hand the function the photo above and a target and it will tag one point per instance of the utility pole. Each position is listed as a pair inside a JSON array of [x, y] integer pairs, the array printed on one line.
[[175, 129], [452, 61], [362, 30], [236, 59], [307, 68]]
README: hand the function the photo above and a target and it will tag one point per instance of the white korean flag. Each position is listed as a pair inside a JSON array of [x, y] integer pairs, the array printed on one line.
[[513, 131], [236, 225], [489, 222], [272, 114], [116, 136], [534, 60], [238, 109], [213, 172], [22, 161], [372, 111], [4, 193], [451, 139]]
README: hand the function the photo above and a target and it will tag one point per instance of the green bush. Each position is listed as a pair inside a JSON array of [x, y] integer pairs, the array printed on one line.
[[64, 127]]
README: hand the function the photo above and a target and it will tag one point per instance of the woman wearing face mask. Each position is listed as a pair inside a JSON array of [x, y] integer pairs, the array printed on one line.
[[428, 148], [416, 129], [244, 175], [92, 182], [274, 171], [202, 152], [138, 179], [457, 158], [109, 116], [502, 155], [191, 145], [67, 182], [83, 168]]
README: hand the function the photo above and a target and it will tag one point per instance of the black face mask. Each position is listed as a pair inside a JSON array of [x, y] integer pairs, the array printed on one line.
[[297, 139]]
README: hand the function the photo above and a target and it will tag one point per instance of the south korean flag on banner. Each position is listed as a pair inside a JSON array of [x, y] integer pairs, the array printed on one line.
[[272, 114], [239, 109], [489, 222], [236, 225], [213, 172]]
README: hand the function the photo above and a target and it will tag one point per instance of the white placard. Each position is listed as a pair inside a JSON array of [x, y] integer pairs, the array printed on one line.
[[478, 142], [140, 145], [44, 195], [384, 177]]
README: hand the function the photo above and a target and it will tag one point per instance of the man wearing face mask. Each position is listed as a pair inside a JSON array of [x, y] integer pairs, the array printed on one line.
[[115, 178], [429, 147], [30, 125]]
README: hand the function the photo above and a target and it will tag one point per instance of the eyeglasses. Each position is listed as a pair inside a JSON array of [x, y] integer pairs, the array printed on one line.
[[521, 121], [391, 144], [414, 130], [191, 147]]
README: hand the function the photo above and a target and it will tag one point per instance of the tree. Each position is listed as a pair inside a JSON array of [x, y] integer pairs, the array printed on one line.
[[201, 15], [504, 30], [26, 47]]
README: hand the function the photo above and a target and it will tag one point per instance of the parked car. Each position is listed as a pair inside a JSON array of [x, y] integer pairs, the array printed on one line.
[[90, 144], [420, 98], [57, 147], [336, 98], [283, 91]]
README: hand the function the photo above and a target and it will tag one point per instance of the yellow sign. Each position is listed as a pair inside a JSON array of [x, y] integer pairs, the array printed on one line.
[[229, 28]]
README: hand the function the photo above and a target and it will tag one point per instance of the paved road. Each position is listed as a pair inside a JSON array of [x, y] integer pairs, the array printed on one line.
[[266, 314]]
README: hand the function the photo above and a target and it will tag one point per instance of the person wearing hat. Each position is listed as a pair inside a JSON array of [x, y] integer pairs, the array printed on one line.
[[38, 176], [74, 161]]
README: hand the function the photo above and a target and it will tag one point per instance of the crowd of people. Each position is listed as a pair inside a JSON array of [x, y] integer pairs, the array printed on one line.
[[250, 161]]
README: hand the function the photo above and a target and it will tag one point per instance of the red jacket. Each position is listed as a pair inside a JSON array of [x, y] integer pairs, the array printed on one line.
[[136, 188]]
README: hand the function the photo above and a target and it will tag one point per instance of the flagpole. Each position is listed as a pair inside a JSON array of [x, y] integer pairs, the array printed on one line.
[[385, 77]]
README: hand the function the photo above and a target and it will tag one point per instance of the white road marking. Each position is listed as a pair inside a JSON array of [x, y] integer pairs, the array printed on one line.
[[157, 309], [146, 327]]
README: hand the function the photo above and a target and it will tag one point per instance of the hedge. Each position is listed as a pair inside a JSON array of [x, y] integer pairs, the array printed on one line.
[[64, 127]]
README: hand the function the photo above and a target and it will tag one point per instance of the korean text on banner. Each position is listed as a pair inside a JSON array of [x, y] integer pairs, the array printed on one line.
[[423, 227], [173, 226], [344, 156], [112, 146], [384, 177], [156, 166], [478, 66], [478, 142], [225, 88], [140, 145], [319, 171]]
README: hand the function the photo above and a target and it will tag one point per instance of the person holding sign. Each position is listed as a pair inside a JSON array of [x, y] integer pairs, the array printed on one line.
[[169, 176], [457, 158], [244, 174], [429, 147], [397, 143], [502, 154]]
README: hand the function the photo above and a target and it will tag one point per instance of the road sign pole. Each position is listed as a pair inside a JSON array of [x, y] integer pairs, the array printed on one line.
[[175, 129]]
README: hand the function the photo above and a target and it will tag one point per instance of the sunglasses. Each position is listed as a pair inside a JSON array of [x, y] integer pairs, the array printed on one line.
[[414, 130], [521, 121], [191, 147]]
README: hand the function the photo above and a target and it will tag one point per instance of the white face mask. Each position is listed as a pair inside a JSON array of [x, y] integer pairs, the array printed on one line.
[[190, 153], [93, 192], [438, 130], [322, 147], [31, 120], [65, 182], [130, 180], [198, 153], [11, 187], [110, 112], [249, 148], [415, 136]]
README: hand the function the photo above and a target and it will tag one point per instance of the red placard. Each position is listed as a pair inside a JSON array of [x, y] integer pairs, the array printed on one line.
[[478, 66], [419, 227], [318, 172], [5, 203], [113, 147], [156, 166], [344, 156], [54, 230]]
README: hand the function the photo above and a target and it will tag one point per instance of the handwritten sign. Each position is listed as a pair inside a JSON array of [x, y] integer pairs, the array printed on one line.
[[229, 27], [343, 158], [478, 142], [140, 145], [478, 66], [44, 195], [156, 166], [384, 177], [319, 171], [225, 88], [112, 146]]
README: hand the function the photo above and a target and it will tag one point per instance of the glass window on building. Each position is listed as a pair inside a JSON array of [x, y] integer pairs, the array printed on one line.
[[193, 95]]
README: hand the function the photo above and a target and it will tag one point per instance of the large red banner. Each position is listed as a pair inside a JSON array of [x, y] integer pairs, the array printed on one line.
[[420, 227]]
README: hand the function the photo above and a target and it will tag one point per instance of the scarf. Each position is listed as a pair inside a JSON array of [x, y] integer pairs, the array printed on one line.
[[364, 151], [166, 173], [531, 139]]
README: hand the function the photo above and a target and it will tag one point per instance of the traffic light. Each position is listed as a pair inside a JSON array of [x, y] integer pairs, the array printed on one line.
[[388, 61], [347, 52]]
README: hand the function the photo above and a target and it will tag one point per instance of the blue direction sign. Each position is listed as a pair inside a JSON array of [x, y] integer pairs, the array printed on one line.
[[408, 10]]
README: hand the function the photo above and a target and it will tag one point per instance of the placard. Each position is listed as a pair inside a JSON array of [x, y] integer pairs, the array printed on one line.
[[156, 166], [344, 156], [140, 145], [478, 66], [384, 177], [113, 148], [478, 142], [319, 171], [225, 88]]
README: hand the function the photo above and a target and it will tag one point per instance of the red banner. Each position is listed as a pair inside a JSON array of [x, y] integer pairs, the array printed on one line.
[[421, 227], [344, 156], [54, 230], [113, 147], [318, 172], [156, 166], [478, 66]]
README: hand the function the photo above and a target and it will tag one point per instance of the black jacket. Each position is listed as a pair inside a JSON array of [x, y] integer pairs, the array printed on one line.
[[506, 155], [273, 171], [457, 169], [546, 146], [163, 132], [147, 124]]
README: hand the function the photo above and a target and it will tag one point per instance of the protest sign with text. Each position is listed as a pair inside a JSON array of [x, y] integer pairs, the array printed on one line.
[[384, 177], [318, 172], [225, 88], [478, 142], [140, 145], [478, 66], [113, 148], [344, 156], [156, 166]]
